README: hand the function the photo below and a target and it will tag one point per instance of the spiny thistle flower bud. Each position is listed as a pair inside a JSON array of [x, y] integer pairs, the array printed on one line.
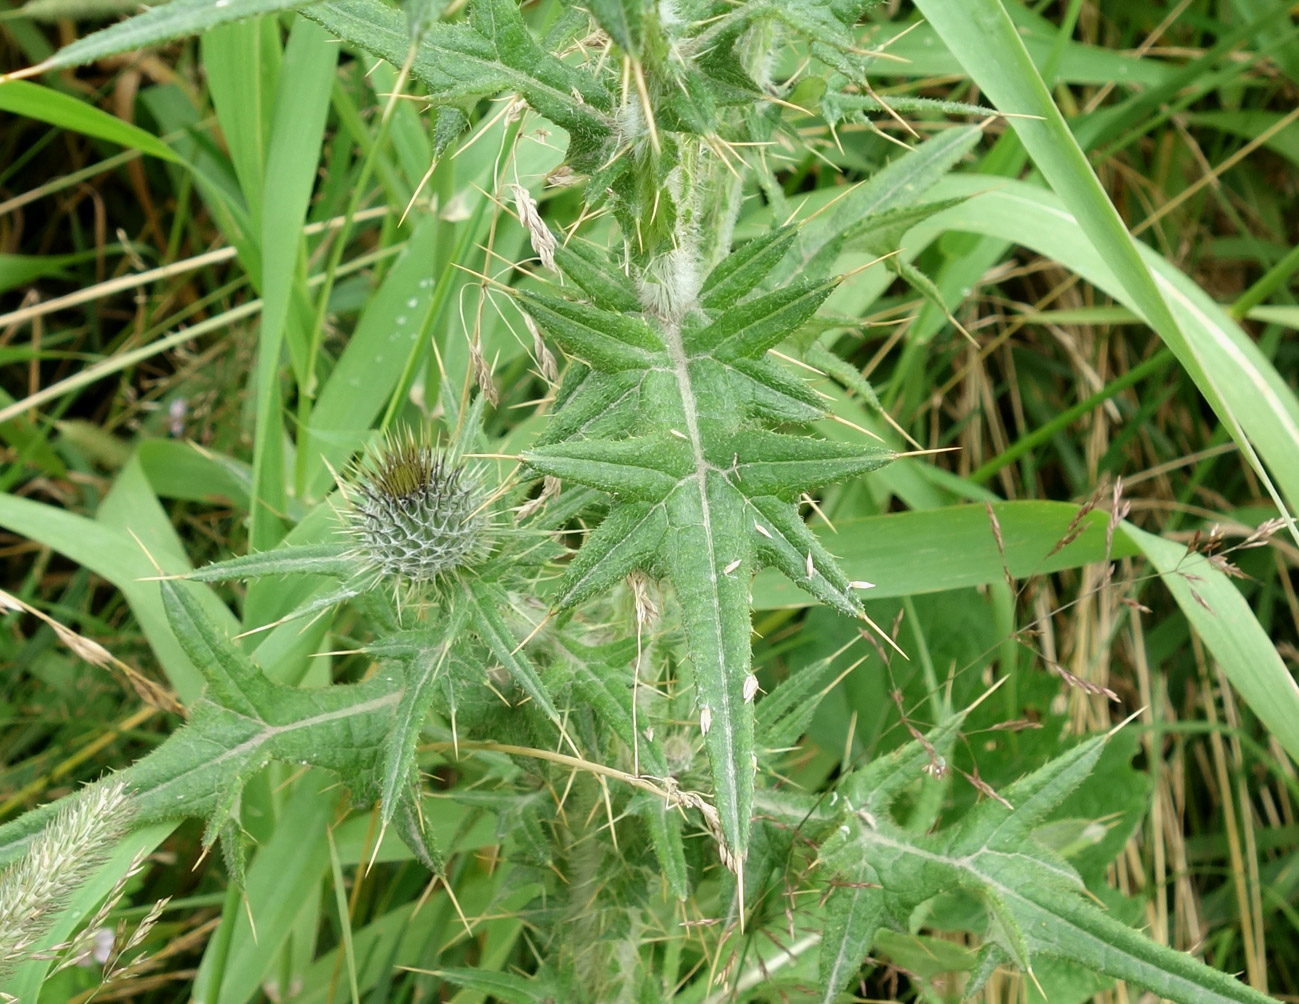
[[417, 512]]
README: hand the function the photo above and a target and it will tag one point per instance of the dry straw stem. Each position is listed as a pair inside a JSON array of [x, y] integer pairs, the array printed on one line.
[[665, 788], [95, 654], [162, 273], [123, 360]]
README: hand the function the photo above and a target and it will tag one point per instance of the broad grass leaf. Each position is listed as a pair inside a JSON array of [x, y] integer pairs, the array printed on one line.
[[981, 35], [20, 97]]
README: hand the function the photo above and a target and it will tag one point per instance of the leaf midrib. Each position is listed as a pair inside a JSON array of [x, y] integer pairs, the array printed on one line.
[[966, 863], [724, 717], [270, 732]]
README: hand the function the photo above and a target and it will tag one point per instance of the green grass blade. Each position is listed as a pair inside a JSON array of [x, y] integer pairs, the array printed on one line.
[[1255, 393], [931, 550], [344, 915], [22, 98], [279, 879], [934, 550], [1223, 618], [297, 123], [112, 553], [984, 39], [376, 355]]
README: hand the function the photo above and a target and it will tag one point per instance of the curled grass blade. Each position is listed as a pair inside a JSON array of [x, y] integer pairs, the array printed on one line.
[[984, 39]]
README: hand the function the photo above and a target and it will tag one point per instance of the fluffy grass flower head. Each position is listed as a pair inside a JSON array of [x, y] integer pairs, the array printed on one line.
[[418, 513]]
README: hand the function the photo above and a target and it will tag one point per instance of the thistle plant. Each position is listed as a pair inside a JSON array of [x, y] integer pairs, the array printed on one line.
[[417, 514], [679, 449]]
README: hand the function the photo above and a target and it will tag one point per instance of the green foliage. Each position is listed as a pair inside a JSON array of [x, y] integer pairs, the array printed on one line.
[[699, 494], [571, 649], [243, 722], [1036, 904]]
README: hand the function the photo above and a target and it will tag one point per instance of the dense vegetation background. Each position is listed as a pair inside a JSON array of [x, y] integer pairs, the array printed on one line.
[[132, 305]]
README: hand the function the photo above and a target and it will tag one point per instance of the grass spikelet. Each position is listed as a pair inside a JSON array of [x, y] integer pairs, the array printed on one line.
[[61, 858]]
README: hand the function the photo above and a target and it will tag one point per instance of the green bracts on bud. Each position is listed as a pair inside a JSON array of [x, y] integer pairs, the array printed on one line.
[[417, 513]]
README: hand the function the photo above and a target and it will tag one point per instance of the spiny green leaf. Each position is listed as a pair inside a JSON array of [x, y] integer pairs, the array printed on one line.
[[688, 483], [448, 126], [549, 84], [849, 12], [233, 853], [1004, 928], [600, 338], [594, 404], [506, 987], [354, 588], [761, 323], [232, 680], [461, 62], [901, 182], [993, 825], [610, 698], [854, 911], [414, 833], [1075, 929], [487, 602], [167, 21], [766, 390], [784, 714], [707, 540], [689, 103], [875, 786], [421, 14], [772, 463], [782, 540], [991, 957], [423, 672], [823, 359], [918, 281], [882, 232], [836, 106], [627, 540], [664, 826], [644, 469], [1035, 900], [587, 266], [292, 559], [722, 64], [744, 268], [242, 722], [624, 20]]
